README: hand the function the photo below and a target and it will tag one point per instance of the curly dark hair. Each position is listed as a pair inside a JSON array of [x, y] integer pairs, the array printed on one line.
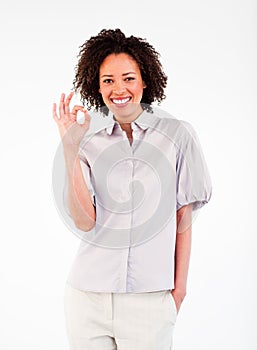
[[93, 52]]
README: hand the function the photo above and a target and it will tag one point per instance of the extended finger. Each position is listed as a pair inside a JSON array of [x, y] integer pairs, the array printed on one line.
[[67, 103], [61, 105], [55, 116]]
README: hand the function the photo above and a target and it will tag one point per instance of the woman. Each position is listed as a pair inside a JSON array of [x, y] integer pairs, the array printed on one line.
[[133, 186]]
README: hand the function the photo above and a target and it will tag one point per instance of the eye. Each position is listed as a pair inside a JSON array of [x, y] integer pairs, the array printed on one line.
[[107, 81], [129, 78]]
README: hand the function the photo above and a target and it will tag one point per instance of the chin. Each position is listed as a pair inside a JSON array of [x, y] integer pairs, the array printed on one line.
[[125, 112]]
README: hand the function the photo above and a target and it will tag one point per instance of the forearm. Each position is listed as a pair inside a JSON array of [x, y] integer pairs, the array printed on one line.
[[182, 258], [81, 207], [183, 249]]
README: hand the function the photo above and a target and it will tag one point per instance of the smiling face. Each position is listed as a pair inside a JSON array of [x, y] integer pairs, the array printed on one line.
[[121, 86]]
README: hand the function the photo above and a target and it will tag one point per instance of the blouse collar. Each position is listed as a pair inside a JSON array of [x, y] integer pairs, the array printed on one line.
[[144, 120]]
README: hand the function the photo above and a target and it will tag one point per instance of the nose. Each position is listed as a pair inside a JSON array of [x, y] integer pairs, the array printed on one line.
[[119, 88]]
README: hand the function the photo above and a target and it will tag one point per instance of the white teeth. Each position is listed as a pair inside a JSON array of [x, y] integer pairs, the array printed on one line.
[[119, 102]]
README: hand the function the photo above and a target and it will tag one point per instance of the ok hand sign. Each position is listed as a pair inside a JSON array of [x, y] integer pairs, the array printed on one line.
[[70, 130]]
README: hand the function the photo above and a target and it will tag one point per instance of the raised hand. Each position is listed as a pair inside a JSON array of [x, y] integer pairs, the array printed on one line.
[[70, 130]]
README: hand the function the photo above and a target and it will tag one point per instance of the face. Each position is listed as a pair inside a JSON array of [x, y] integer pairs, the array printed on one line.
[[121, 86]]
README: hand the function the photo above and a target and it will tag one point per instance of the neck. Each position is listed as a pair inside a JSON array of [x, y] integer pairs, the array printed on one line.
[[125, 122]]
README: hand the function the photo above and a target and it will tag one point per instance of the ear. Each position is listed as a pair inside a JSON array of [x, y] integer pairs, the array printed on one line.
[[144, 85], [99, 90]]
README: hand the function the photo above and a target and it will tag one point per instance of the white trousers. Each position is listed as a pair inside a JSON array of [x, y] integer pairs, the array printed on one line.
[[119, 321]]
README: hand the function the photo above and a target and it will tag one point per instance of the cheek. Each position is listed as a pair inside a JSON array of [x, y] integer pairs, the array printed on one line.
[[102, 91], [140, 90], [105, 95]]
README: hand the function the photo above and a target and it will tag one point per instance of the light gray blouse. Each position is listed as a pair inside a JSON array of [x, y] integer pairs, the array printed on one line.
[[136, 190]]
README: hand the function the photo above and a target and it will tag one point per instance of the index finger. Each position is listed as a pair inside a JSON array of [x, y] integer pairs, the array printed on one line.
[[77, 108]]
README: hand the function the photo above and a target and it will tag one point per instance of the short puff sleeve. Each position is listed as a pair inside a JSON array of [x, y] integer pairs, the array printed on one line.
[[193, 178]]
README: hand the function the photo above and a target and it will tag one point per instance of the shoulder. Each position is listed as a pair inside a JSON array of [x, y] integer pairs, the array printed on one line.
[[167, 119], [179, 130]]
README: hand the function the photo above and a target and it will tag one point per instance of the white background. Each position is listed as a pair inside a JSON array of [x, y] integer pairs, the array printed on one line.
[[209, 52]]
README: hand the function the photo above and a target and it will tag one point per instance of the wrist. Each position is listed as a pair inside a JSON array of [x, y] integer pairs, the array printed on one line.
[[180, 292]]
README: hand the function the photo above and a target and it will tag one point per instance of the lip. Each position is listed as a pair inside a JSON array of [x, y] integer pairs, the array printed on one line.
[[119, 104]]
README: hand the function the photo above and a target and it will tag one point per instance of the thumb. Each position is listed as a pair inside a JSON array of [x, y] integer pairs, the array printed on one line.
[[86, 115]]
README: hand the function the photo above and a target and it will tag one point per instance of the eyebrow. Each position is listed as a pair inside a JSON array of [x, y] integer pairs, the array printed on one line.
[[110, 75]]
